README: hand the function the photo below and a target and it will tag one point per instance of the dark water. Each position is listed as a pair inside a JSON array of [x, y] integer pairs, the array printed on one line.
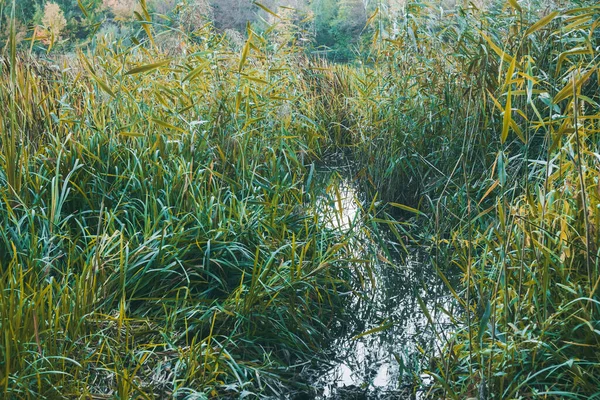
[[390, 362]]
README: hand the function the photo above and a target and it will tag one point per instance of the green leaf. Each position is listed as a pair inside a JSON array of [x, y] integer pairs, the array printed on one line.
[[484, 320], [501, 169]]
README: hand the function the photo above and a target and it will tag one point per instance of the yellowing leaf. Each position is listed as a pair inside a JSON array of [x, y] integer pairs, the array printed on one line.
[[131, 134], [103, 85], [166, 125], [406, 208], [145, 24], [372, 17], [254, 79], [577, 21], [541, 23], [510, 72], [506, 57], [147, 67], [507, 118], [238, 101], [517, 130], [244, 55], [487, 193], [82, 8], [568, 89], [267, 10], [374, 330], [193, 73], [496, 102], [515, 5], [575, 51]]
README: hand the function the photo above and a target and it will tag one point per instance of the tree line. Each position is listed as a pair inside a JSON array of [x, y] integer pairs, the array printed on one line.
[[336, 29]]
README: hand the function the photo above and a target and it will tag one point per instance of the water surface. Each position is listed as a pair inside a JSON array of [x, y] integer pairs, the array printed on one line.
[[389, 362]]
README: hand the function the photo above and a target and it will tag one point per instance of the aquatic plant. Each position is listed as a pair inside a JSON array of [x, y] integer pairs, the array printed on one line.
[[156, 236], [160, 226]]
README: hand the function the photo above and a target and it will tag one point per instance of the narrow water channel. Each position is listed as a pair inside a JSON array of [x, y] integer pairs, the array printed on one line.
[[383, 350]]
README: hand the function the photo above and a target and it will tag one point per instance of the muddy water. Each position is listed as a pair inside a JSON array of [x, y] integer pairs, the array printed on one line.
[[382, 352]]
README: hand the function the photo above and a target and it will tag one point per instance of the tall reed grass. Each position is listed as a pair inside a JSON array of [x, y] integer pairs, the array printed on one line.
[[160, 233], [157, 239], [502, 126]]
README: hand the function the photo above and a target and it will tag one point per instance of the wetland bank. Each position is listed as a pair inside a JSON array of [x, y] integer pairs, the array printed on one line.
[[335, 200]]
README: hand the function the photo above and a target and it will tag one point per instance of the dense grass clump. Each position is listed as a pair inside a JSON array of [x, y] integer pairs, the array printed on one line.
[[486, 120], [530, 254], [157, 239], [501, 132]]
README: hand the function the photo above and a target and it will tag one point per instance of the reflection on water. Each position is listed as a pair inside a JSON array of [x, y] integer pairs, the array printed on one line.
[[386, 363]]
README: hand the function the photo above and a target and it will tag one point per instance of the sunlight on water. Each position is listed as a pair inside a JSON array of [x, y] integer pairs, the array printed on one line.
[[340, 207]]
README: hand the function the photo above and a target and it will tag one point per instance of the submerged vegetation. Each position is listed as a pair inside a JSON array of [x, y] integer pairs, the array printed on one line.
[[161, 224]]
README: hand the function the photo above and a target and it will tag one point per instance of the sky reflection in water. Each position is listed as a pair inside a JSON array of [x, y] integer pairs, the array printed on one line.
[[381, 365]]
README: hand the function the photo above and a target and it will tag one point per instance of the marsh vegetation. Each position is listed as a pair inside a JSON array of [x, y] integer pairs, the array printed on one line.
[[328, 199]]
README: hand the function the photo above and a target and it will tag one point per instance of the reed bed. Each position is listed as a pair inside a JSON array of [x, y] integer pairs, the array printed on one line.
[[160, 229], [497, 122], [155, 242]]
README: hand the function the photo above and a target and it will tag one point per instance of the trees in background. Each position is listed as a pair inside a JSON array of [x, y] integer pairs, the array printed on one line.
[[43, 17], [335, 26], [232, 14], [339, 26], [348, 26]]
